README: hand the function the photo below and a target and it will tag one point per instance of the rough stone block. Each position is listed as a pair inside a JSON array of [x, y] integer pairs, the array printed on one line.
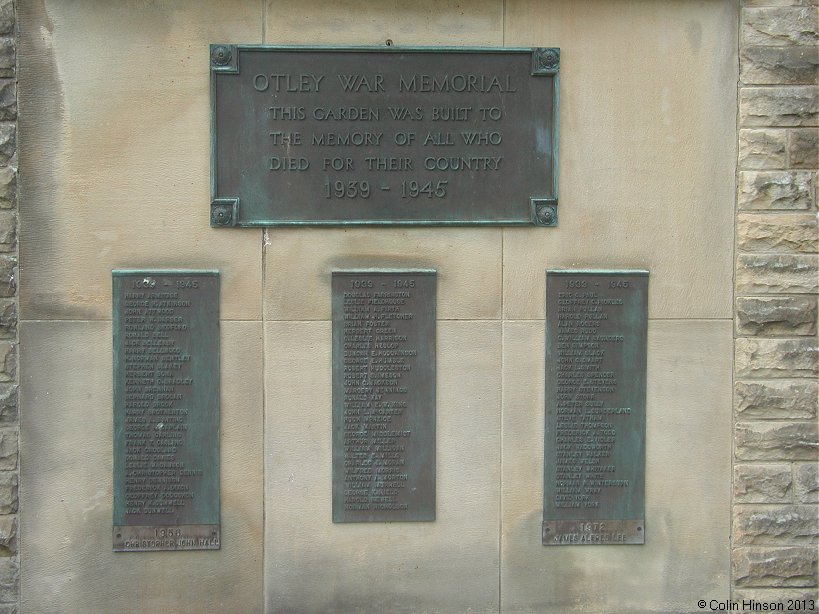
[[778, 65], [776, 357], [8, 492], [8, 56], [8, 276], [789, 105], [8, 143], [776, 315], [8, 450], [782, 525], [779, 26], [807, 482], [762, 148], [8, 361], [803, 148], [777, 274], [8, 231], [777, 232], [775, 441], [8, 404], [776, 399], [8, 535], [6, 17], [8, 99], [785, 567], [8, 187], [762, 483], [775, 190], [8, 319], [9, 580]]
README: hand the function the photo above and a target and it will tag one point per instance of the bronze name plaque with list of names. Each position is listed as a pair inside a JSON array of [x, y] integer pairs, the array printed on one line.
[[383, 395], [166, 410], [594, 448], [383, 136]]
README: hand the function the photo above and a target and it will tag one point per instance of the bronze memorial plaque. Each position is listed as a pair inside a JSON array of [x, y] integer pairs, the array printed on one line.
[[383, 136], [383, 395], [166, 410], [594, 448]]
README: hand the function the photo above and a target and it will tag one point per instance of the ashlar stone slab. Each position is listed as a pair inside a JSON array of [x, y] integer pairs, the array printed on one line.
[[314, 565], [66, 457], [688, 466], [299, 263], [644, 179], [115, 163], [424, 22]]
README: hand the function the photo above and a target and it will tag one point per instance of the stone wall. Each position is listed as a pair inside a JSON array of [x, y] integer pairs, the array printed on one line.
[[646, 183], [774, 555], [9, 424]]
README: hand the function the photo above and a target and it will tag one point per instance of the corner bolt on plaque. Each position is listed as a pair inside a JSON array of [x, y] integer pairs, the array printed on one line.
[[383, 136]]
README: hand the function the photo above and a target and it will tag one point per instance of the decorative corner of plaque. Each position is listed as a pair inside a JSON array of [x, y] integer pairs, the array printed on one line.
[[224, 58], [544, 211], [224, 212], [545, 60]]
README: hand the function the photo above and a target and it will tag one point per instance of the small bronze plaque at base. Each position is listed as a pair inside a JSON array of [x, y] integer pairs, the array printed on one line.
[[170, 537], [594, 445], [166, 410], [383, 396], [592, 532]]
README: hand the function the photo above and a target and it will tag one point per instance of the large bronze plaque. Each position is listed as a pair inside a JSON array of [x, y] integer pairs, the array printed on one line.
[[166, 410], [594, 457], [383, 136], [383, 396]]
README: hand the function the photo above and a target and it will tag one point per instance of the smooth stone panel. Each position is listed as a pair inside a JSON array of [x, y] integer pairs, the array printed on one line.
[[66, 465], [688, 467], [449, 565], [114, 167], [361, 22], [647, 150], [299, 263]]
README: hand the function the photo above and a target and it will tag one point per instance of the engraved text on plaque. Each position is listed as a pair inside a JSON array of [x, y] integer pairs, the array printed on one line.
[[594, 456], [383, 396], [166, 410]]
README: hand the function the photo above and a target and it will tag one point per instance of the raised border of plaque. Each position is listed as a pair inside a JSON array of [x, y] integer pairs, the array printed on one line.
[[594, 444], [166, 410], [384, 324], [383, 136]]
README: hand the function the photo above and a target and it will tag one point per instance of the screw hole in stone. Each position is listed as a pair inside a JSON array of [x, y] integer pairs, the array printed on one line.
[[388, 42]]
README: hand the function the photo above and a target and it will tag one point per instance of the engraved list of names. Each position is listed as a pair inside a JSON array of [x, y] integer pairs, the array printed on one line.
[[166, 410], [595, 407], [383, 396]]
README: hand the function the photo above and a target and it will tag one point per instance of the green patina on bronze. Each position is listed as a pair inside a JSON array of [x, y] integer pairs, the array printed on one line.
[[166, 410], [383, 395], [383, 136], [594, 445]]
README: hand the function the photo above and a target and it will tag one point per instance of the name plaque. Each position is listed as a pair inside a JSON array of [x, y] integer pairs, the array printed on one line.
[[594, 447], [166, 410], [383, 396], [383, 136]]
